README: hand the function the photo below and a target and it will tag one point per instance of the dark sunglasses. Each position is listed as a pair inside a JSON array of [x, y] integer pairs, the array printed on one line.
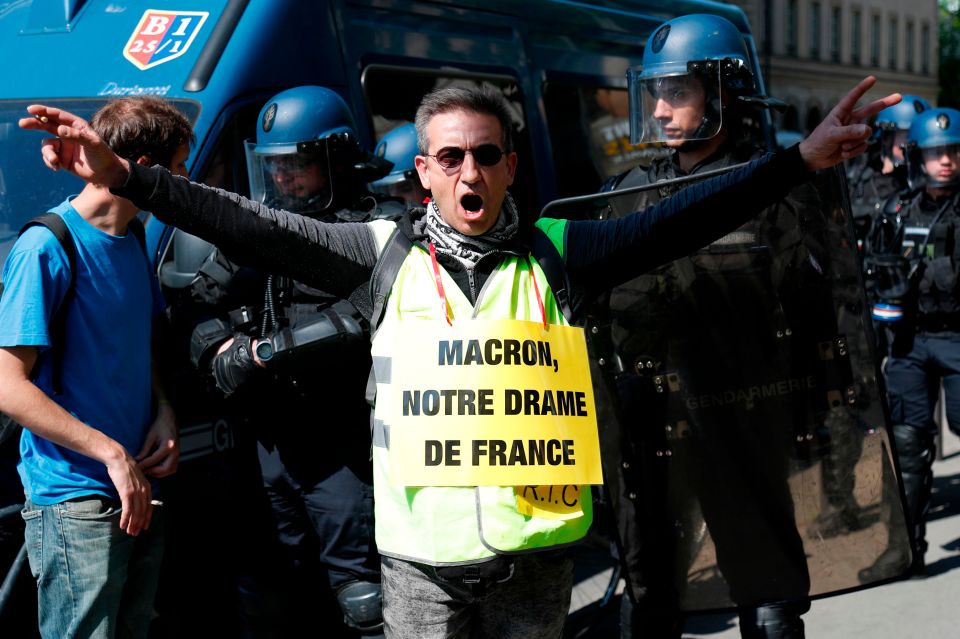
[[451, 157]]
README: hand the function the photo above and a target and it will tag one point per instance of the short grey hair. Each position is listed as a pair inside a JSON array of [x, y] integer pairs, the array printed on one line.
[[485, 100]]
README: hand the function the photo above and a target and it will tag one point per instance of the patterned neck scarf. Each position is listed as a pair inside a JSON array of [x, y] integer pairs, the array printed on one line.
[[466, 249]]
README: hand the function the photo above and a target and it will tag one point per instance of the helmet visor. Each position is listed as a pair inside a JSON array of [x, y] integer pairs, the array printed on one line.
[[291, 177], [936, 166], [949, 152], [941, 165], [405, 186], [892, 142], [676, 107]]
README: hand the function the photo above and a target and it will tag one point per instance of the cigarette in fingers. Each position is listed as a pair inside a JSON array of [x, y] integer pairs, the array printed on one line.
[[153, 502], [42, 118]]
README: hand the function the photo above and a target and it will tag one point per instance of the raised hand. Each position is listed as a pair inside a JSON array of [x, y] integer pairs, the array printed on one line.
[[842, 134], [77, 148]]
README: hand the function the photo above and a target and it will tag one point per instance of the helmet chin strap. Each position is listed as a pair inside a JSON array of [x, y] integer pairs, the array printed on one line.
[[708, 127], [703, 133]]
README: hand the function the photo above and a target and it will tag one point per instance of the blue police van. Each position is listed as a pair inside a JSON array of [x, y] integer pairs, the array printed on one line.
[[560, 63]]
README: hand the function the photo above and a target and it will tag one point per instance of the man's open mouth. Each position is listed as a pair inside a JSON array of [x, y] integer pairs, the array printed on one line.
[[471, 202]]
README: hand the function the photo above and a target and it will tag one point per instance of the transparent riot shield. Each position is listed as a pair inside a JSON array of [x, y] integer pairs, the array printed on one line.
[[746, 447]]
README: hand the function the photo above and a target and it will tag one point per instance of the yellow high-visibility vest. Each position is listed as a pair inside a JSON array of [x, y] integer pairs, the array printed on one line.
[[443, 525]]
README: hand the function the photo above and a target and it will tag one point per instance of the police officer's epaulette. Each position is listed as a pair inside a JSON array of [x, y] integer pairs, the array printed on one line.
[[350, 215], [613, 182], [638, 176]]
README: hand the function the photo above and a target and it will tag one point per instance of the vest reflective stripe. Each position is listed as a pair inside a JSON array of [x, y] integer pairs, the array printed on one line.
[[457, 525]]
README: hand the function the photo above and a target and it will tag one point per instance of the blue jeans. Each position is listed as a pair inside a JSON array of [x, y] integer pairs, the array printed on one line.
[[93, 579]]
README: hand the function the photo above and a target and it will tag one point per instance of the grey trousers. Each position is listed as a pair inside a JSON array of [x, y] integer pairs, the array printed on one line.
[[529, 603]]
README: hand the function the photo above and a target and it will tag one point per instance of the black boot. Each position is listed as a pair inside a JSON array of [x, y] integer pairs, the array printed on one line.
[[916, 449], [773, 621], [893, 561], [648, 622], [836, 520]]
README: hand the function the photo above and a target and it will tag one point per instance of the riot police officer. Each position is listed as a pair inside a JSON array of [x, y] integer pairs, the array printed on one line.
[[294, 361], [693, 92], [912, 268], [399, 146], [881, 173]]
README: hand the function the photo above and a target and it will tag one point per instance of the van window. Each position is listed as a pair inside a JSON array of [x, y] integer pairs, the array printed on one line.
[[226, 167], [393, 94], [590, 135]]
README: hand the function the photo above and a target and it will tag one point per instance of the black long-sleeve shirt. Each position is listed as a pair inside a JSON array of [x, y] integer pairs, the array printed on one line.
[[339, 258]]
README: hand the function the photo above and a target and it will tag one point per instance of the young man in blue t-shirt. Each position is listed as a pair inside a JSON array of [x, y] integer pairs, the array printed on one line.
[[92, 442]]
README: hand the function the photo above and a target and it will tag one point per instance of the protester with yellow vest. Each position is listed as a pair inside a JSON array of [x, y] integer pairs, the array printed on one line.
[[484, 434]]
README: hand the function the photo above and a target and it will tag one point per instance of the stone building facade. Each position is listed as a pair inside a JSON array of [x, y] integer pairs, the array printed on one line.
[[813, 51]]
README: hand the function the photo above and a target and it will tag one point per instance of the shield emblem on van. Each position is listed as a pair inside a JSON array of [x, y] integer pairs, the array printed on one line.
[[162, 36]]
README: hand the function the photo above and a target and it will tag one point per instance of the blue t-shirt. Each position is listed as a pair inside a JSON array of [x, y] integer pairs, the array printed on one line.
[[105, 372]]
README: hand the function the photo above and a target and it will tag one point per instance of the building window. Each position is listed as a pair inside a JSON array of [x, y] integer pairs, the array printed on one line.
[[892, 43], [875, 42], [791, 27], [909, 46], [925, 49], [815, 30], [855, 37], [835, 34]]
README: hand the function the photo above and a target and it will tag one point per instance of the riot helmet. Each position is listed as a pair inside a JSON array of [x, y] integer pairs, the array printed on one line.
[[306, 144], [893, 123], [933, 149], [689, 63], [399, 146]]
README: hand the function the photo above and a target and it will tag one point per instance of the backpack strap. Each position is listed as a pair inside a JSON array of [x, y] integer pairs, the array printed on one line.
[[58, 227], [58, 323], [385, 272], [550, 260], [136, 227], [397, 248]]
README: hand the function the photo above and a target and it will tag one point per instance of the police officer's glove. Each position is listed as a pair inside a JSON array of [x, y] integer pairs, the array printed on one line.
[[206, 339], [233, 366]]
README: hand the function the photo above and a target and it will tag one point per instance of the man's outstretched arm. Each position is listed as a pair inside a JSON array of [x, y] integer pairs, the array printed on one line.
[[336, 258], [605, 253]]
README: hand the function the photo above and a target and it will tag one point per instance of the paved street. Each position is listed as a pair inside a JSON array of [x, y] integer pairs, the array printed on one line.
[[919, 608]]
